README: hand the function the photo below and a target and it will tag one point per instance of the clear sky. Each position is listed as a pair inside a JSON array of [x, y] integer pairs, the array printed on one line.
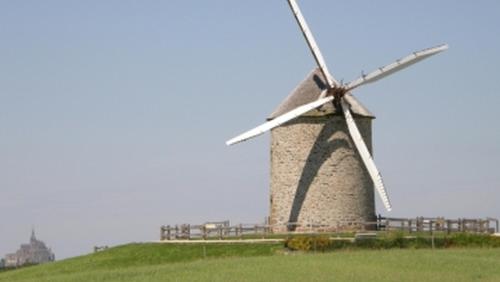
[[114, 114]]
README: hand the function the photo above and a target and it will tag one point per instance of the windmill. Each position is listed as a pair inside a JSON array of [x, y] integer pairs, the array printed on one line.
[[330, 106]]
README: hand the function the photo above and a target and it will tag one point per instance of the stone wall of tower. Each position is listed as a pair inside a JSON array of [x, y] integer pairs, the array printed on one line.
[[317, 176]]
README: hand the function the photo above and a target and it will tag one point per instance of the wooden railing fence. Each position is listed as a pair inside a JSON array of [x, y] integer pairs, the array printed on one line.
[[223, 230]]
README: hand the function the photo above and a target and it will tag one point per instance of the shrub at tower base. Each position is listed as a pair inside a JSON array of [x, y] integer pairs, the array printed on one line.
[[392, 240]]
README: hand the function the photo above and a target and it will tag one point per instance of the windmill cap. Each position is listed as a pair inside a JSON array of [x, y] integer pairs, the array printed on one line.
[[308, 91]]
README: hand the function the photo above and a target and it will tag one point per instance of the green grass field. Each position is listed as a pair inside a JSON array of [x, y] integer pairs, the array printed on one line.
[[266, 262]]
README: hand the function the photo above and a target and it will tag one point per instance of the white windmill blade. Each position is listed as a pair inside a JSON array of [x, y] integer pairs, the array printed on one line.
[[398, 65], [279, 120], [312, 43], [365, 155]]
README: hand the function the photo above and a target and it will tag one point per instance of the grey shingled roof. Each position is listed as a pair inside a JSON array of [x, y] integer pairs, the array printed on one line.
[[308, 91]]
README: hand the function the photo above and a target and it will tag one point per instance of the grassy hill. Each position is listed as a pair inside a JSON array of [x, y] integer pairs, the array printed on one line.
[[265, 262]]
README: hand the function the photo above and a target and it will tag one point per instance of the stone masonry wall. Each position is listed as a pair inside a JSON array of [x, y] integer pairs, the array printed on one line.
[[317, 176]]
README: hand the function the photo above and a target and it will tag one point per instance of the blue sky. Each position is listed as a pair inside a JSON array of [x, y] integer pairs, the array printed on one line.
[[114, 114]]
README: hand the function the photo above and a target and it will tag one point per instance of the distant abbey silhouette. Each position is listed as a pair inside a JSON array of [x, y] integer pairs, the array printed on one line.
[[35, 252]]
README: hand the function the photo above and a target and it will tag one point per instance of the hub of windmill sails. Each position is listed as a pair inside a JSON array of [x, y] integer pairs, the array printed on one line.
[[337, 93]]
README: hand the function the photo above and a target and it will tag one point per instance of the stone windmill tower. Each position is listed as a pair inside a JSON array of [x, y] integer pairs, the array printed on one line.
[[317, 175], [322, 170]]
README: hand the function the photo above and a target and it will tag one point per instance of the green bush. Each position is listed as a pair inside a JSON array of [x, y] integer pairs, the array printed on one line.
[[308, 243], [339, 244], [298, 244], [388, 241], [371, 243], [419, 243], [472, 240], [393, 240]]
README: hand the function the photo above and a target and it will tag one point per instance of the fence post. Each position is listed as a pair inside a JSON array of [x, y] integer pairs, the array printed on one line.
[[432, 240], [314, 241], [489, 219]]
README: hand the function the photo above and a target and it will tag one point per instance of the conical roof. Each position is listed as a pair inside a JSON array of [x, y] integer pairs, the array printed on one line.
[[308, 91]]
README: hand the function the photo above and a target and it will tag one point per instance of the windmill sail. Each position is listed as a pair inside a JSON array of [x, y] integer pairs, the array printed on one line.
[[279, 120], [398, 65], [365, 156], [312, 43]]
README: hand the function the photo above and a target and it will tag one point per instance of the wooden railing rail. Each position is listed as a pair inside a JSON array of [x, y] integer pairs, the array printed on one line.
[[411, 225]]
